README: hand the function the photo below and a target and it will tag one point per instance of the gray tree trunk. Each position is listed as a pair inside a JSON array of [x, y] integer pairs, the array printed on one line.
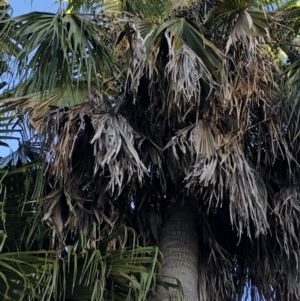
[[179, 244]]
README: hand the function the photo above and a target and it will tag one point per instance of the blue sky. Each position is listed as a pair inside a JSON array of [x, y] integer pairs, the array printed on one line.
[[25, 6], [22, 7]]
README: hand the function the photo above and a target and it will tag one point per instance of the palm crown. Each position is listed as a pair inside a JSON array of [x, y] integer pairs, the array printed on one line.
[[139, 107]]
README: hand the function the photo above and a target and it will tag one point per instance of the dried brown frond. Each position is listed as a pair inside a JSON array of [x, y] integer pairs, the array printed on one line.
[[215, 267], [185, 73], [185, 70], [220, 164], [91, 154], [111, 137], [287, 215]]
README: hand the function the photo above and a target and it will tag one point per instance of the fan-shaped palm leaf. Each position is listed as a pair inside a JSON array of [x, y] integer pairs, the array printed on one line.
[[66, 47]]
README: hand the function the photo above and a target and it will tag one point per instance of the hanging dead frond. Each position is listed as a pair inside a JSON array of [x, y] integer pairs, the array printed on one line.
[[287, 215], [112, 138], [113, 142], [89, 151], [213, 259], [242, 31], [137, 63], [247, 191], [219, 164], [191, 61], [185, 70]]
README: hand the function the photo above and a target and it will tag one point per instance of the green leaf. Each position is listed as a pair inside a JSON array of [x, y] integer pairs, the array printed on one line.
[[58, 49]]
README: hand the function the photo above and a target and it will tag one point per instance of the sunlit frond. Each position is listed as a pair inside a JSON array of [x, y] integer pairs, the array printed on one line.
[[66, 47]]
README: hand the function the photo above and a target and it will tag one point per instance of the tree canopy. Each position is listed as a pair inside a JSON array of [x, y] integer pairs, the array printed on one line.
[[125, 108]]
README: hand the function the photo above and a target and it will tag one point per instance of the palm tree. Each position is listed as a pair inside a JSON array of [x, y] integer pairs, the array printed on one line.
[[180, 120], [32, 267]]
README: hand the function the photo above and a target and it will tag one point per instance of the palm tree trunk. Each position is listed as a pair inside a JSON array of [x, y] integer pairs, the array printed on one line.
[[180, 247]]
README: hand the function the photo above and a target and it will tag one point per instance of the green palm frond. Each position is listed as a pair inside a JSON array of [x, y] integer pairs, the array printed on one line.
[[77, 5], [142, 9], [21, 274], [71, 94], [292, 16], [20, 157], [7, 132], [285, 4], [136, 7], [22, 186], [132, 271], [161, 43], [89, 271], [240, 15], [7, 45], [58, 49], [82, 274], [190, 34]]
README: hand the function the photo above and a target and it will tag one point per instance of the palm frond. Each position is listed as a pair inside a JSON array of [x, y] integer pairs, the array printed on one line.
[[8, 46], [66, 47], [142, 9], [83, 274], [175, 43]]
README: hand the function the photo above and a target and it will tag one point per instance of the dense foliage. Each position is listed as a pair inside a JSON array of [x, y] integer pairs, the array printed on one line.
[[125, 107]]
